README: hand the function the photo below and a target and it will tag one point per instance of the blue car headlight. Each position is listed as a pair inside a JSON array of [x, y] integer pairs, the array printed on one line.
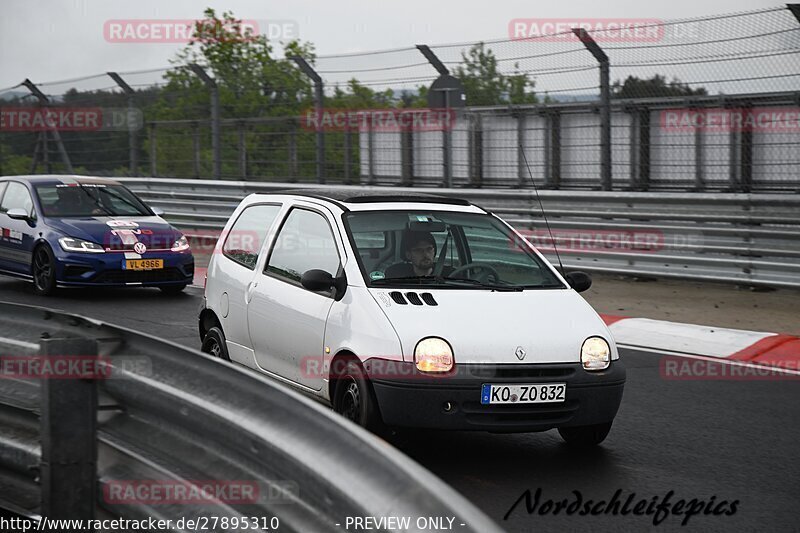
[[71, 244], [180, 245]]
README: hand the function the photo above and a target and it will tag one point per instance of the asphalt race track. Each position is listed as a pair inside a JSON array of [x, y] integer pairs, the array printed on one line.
[[731, 440]]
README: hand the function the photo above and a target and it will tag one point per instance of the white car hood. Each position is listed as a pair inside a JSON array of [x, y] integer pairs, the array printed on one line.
[[489, 327]]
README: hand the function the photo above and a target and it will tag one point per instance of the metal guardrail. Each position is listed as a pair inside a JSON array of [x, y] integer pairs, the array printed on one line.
[[748, 239], [169, 413]]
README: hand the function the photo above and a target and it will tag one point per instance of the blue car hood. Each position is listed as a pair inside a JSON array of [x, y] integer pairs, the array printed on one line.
[[118, 232]]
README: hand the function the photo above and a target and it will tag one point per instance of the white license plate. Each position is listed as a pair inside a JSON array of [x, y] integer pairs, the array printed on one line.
[[523, 393]]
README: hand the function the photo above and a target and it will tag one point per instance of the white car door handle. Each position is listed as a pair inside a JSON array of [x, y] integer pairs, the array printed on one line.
[[248, 295]]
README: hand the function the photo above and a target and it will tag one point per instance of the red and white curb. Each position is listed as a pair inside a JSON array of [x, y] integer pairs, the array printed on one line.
[[707, 342]]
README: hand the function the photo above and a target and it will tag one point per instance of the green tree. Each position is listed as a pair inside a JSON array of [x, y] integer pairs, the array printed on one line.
[[253, 81], [358, 96], [656, 86], [485, 84]]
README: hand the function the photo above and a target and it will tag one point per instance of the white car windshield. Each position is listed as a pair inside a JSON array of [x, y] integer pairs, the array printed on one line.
[[444, 249]]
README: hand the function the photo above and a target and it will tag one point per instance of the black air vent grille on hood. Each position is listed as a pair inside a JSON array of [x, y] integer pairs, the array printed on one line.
[[413, 297], [428, 298], [398, 298]]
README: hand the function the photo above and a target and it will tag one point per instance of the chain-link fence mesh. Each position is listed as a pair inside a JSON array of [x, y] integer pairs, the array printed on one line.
[[709, 103]]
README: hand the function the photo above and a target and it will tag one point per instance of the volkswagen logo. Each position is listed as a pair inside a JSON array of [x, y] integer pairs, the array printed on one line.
[[520, 353], [140, 248]]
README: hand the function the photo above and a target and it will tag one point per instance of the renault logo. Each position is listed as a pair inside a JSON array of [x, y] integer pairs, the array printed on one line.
[[520, 353]]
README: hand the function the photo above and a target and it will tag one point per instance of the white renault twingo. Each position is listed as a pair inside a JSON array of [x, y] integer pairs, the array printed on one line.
[[410, 311]]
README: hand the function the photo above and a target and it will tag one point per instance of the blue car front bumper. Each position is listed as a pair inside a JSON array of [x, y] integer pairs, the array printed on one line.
[[108, 270]]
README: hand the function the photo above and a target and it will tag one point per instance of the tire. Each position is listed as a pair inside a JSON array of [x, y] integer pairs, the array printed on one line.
[[43, 270], [214, 344], [173, 289], [585, 436], [354, 398]]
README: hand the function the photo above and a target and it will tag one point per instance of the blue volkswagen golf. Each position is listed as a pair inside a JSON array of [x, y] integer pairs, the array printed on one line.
[[73, 231]]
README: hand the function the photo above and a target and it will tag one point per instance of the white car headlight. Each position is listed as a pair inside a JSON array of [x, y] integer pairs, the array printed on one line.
[[69, 244], [433, 354], [180, 245], [595, 354]]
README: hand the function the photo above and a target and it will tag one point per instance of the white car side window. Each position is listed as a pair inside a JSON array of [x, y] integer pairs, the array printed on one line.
[[246, 236], [305, 242]]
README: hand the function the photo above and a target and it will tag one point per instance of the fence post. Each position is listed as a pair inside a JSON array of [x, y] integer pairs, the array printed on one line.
[[348, 154], [447, 132], [553, 149], [242, 150], [699, 158], [633, 155], [68, 467], [605, 105], [447, 149], [196, 148], [293, 167], [133, 154], [643, 183], [746, 151], [733, 153], [475, 143], [46, 153], [319, 95], [371, 152], [522, 172], [43, 101], [407, 157], [216, 147], [153, 148]]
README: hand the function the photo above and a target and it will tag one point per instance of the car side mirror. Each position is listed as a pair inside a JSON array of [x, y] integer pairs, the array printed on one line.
[[580, 281], [317, 280], [157, 211], [18, 214]]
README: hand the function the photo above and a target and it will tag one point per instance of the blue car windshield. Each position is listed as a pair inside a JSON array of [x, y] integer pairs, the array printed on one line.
[[89, 200], [444, 250]]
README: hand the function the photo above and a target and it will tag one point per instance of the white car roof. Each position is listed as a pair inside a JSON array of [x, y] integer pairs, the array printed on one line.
[[371, 201]]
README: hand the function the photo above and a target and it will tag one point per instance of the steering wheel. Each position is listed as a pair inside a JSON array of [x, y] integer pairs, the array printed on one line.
[[488, 271]]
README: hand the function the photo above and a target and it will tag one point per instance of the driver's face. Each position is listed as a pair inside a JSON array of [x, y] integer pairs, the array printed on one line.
[[421, 255]]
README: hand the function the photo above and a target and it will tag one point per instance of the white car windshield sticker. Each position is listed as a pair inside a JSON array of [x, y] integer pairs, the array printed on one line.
[[376, 275]]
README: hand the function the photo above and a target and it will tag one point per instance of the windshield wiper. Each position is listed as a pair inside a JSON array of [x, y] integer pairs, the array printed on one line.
[[475, 282], [406, 280]]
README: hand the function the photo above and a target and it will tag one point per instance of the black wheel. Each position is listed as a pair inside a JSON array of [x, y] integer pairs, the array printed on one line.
[[43, 270], [354, 399], [173, 289], [214, 344], [585, 436]]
